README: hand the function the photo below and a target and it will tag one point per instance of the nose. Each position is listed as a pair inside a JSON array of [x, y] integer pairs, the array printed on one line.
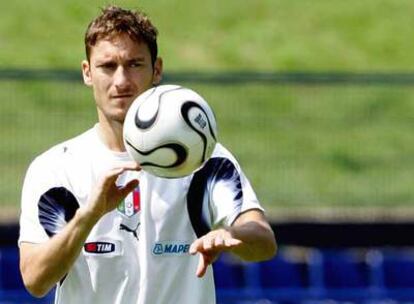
[[121, 79]]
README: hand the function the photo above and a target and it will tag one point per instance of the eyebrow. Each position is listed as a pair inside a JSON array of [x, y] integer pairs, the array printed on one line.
[[135, 59], [111, 60]]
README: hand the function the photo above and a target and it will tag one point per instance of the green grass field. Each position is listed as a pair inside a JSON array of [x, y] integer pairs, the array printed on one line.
[[301, 146], [326, 146], [215, 35]]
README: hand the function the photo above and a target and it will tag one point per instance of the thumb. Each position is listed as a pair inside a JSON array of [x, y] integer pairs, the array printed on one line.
[[130, 186]]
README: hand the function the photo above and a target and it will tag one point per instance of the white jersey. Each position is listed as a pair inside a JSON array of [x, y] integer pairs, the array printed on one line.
[[138, 253]]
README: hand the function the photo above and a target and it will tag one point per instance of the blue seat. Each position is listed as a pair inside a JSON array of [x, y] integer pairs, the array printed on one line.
[[345, 269], [283, 272], [12, 289], [10, 278], [228, 272], [398, 269]]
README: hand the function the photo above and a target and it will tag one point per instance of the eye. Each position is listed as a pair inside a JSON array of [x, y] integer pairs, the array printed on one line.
[[135, 64], [108, 65]]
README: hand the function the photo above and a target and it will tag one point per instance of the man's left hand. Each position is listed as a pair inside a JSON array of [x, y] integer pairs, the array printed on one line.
[[210, 246]]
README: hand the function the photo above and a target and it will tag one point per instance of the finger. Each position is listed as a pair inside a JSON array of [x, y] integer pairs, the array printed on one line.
[[202, 266], [112, 174], [195, 246], [130, 186], [109, 178], [132, 165], [218, 241], [207, 243], [232, 242], [127, 165], [200, 245]]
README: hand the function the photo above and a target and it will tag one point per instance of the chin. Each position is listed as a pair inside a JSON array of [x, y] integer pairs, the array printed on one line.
[[113, 115], [117, 117], [120, 119]]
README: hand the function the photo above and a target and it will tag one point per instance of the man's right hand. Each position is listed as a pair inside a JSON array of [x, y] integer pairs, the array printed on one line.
[[106, 195], [43, 265]]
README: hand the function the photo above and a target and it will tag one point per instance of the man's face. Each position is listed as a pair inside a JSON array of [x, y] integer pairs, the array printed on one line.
[[119, 70]]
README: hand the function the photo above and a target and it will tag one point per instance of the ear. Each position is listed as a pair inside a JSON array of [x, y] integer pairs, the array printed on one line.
[[86, 73], [157, 76]]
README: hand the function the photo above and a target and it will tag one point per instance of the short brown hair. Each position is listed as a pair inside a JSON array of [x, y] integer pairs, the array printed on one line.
[[114, 21]]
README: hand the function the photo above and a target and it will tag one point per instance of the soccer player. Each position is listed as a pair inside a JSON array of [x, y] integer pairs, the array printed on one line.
[[103, 231]]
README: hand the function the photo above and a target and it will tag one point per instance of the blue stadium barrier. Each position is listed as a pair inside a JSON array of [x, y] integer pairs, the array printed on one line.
[[346, 275], [12, 290], [345, 270], [10, 278], [296, 275], [399, 269], [228, 273], [284, 272]]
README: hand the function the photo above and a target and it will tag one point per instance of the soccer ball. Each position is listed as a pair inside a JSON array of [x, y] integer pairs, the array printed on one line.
[[170, 131]]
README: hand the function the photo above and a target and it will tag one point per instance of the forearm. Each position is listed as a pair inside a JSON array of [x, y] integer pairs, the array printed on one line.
[[258, 241], [43, 265], [250, 237]]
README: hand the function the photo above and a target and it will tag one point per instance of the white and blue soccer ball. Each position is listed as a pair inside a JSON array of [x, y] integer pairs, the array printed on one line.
[[170, 131]]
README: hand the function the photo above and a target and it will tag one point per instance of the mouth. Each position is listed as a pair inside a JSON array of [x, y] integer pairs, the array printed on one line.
[[122, 96]]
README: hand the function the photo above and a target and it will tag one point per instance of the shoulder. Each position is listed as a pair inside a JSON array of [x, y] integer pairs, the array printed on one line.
[[62, 154], [222, 155], [221, 151], [222, 165]]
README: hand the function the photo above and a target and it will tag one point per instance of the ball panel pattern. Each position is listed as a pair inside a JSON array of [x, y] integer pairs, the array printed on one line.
[[170, 130], [145, 124], [185, 108], [177, 149]]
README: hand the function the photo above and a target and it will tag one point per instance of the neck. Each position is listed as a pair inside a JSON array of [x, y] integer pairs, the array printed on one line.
[[110, 133]]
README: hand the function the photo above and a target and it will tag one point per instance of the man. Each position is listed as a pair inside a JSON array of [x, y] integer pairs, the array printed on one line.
[[102, 230]]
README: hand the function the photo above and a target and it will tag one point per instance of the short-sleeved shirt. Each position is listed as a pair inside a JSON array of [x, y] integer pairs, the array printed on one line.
[[137, 253]]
